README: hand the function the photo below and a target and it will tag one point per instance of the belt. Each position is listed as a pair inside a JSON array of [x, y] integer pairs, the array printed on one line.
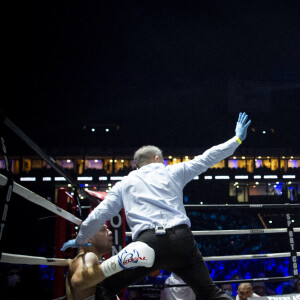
[[174, 228], [168, 230]]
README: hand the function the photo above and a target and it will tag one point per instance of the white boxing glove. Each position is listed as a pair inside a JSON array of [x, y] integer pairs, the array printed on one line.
[[136, 254]]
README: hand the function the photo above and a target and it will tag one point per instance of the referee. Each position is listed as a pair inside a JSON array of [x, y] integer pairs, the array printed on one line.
[[152, 197]]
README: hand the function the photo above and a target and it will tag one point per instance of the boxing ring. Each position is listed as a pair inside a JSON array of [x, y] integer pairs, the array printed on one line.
[[38, 200], [12, 187], [289, 230]]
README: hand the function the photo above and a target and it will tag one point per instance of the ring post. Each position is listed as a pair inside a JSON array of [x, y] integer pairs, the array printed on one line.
[[292, 245]]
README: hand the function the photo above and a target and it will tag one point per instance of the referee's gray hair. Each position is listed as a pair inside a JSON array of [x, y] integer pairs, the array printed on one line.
[[145, 155]]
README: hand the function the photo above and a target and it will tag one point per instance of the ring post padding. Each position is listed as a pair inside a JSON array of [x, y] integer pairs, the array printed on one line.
[[31, 196], [292, 244]]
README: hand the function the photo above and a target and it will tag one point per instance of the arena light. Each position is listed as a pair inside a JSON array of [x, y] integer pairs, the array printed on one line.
[[222, 177], [116, 177], [59, 179], [27, 178], [85, 178], [102, 178], [196, 177], [208, 177], [270, 177], [47, 178], [241, 177], [257, 176], [289, 176]]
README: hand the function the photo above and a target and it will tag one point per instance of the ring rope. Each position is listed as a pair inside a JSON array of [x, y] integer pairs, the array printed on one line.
[[46, 158], [254, 206], [238, 231], [31, 196], [249, 256], [268, 279], [33, 260]]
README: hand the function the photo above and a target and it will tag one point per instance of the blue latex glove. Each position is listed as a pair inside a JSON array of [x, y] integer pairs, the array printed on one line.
[[73, 244], [242, 126]]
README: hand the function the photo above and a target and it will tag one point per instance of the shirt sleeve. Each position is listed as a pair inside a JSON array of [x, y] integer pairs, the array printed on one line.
[[210, 157], [109, 207]]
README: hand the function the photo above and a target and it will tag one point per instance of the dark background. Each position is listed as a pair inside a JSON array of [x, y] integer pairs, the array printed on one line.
[[170, 73]]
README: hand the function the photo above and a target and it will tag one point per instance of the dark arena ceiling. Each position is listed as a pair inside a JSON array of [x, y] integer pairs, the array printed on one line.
[[170, 73]]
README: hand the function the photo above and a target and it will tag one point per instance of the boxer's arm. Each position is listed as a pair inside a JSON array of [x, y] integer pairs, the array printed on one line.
[[84, 278], [136, 254]]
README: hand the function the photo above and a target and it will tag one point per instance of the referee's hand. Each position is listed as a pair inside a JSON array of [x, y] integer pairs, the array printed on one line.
[[73, 244], [241, 126]]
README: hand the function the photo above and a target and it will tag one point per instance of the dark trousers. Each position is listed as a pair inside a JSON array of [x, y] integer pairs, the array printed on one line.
[[176, 252]]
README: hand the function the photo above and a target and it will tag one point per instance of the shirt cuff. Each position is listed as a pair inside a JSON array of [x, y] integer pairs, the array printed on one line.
[[238, 139]]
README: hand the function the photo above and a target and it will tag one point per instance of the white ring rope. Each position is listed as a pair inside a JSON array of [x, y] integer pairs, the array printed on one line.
[[238, 231], [33, 260], [250, 256], [31, 196]]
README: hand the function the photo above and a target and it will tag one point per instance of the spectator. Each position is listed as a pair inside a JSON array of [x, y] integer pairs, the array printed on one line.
[[297, 286], [245, 291], [235, 285], [12, 288], [285, 288], [227, 288], [259, 288], [269, 291], [133, 294]]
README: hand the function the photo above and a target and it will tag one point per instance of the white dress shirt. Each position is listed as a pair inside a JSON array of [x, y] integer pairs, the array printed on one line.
[[153, 194]]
